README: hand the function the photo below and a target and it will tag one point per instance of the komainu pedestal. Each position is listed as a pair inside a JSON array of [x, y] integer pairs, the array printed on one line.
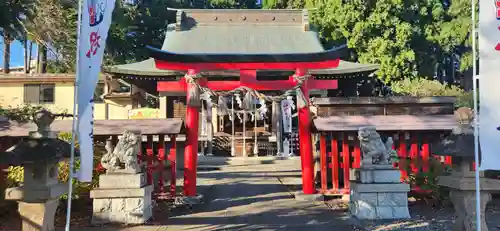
[[376, 190], [377, 193], [122, 198], [123, 195]]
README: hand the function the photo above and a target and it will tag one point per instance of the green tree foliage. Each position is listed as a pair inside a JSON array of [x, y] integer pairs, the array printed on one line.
[[21, 114], [232, 4], [135, 27], [421, 87], [12, 14], [52, 24], [287, 4], [407, 38], [53, 28]]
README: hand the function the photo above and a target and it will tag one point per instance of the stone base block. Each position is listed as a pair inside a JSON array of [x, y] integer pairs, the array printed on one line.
[[370, 203], [371, 175], [300, 196], [189, 201], [121, 193], [372, 188], [125, 217], [120, 181], [38, 216], [464, 203], [126, 206]]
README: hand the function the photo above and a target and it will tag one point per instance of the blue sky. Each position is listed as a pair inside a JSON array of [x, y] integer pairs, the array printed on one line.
[[17, 53]]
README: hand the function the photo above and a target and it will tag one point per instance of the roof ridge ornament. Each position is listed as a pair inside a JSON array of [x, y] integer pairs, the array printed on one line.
[[178, 20], [305, 20], [464, 117]]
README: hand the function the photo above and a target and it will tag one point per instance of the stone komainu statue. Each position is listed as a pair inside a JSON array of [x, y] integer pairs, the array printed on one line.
[[125, 153], [374, 150]]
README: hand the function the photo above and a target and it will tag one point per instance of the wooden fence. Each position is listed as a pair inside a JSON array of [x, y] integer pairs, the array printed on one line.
[[340, 152], [412, 122], [158, 155], [339, 149]]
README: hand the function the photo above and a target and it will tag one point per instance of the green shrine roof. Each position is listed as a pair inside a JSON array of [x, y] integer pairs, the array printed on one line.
[[146, 68], [238, 32]]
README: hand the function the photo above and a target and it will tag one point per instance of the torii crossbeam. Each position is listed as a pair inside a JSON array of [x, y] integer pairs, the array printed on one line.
[[247, 64]]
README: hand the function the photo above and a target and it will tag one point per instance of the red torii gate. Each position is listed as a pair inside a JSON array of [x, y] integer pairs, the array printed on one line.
[[248, 66]]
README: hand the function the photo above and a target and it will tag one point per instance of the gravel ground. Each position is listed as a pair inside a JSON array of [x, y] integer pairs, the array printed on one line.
[[424, 217], [80, 216]]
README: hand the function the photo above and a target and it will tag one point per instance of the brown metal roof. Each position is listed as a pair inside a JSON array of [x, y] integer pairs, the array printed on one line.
[[386, 123], [101, 127], [39, 78]]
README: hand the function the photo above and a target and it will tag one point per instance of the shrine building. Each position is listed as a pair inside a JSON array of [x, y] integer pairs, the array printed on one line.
[[223, 31]]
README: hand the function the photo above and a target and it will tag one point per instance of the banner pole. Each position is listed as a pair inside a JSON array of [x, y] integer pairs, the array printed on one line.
[[74, 123], [476, 124]]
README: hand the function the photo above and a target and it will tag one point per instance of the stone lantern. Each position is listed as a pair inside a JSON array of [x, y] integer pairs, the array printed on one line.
[[40, 153], [460, 146]]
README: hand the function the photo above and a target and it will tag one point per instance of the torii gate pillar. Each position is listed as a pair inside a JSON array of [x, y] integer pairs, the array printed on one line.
[[191, 146], [305, 137]]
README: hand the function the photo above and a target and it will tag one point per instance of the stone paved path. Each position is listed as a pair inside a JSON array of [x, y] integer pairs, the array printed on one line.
[[250, 197], [254, 199]]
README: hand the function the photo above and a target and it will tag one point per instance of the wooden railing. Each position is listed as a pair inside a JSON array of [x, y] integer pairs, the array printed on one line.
[[412, 122], [157, 152], [340, 152], [158, 155]]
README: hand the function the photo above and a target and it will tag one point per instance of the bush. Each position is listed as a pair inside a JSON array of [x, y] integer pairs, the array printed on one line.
[[426, 181], [421, 87], [81, 188], [20, 114], [465, 100]]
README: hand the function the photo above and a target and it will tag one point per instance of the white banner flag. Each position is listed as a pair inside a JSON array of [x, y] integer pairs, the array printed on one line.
[[489, 95], [96, 19], [286, 112]]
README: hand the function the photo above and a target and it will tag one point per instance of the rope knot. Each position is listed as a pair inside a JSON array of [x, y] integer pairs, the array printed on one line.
[[300, 78], [301, 99], [193, 90]]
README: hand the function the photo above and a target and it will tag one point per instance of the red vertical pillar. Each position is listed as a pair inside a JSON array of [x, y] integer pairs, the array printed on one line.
[[335, 163], [306, 154], [161, 163], [346, 163], [414, 153], [323, 163], [403, 163], [173, 166], [150, 156], [191, 148], [357, 155], [425, 155]]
